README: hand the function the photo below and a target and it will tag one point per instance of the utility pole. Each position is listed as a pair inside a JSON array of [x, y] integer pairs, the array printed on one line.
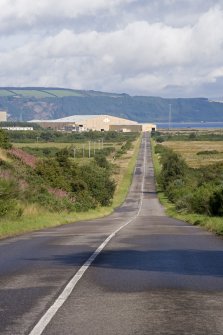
[[170, 114], [102, 143], [89, 149], [74, 150], [94, 148]]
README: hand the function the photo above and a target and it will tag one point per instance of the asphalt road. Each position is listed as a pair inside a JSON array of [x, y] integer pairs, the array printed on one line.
[[155, 276]]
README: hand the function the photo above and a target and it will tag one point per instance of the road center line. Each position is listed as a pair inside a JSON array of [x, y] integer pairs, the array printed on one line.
[[50, 313]]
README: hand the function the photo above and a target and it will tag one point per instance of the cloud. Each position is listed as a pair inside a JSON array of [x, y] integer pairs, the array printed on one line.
[[136, 56], [20, 14]]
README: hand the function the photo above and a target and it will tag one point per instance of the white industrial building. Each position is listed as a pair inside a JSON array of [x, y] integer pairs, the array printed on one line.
[[17, 128], [94, 122]]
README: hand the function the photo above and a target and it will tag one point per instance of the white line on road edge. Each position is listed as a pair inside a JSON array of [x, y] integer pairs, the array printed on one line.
[[47, 317]]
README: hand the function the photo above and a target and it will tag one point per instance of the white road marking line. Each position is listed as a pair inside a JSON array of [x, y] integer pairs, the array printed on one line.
[[50, 313]]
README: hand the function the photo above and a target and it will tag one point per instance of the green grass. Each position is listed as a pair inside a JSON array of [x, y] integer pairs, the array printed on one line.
[[42, 93], [38, 148], [5, 93], [36, 218], [40, 219], [65, 93], [214, 224], [32, 93], [123, 187]]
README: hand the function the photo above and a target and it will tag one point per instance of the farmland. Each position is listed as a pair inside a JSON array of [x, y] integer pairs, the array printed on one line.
[[5, 93], [78, 150], [40, 93], [65, 93], [198, 153]]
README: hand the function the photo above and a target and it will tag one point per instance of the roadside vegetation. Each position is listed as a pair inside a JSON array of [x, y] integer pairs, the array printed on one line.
[[52, 185], [190, 189], [188, 135], [40, 135]]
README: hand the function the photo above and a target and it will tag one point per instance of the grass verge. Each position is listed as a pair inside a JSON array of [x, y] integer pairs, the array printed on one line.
[[214, 224], [36, 218]]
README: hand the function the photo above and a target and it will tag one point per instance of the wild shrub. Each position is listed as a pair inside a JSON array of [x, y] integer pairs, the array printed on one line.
[[101, 161], [216, 203], [194, 190], [84, 201], [160, 149], [4, 140], [192, 136], [78, 186], [208, 152], [8, 194], [99, 183], [200, 199], [173, 167], [43, 197], [51, 171], [160, 139]]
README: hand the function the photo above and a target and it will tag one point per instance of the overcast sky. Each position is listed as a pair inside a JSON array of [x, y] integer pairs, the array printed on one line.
[[170, 48]]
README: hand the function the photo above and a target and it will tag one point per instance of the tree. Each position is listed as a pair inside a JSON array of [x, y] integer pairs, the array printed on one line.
[[4, 141], [216, 203], [173, 167]]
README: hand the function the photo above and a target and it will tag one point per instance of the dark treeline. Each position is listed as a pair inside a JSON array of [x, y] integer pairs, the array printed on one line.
[[190, 136], [41, 135]]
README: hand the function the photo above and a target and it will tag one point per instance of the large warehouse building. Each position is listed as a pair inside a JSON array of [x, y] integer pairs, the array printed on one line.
[[3, 116], [94, 122]]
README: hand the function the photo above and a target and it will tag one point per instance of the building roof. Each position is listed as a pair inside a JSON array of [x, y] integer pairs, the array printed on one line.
[[78, 118], [72, 118]]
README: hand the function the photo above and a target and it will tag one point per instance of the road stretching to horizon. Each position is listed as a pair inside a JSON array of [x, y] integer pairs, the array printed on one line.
[[155, 275]]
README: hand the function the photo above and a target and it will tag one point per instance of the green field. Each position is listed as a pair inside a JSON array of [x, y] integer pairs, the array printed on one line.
[[37, 93], [79, 150], [31, 93], [65, 93], [5, 93]]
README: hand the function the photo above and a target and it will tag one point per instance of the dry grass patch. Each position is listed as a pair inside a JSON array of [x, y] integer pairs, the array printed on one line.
[[189, 150], [43, 145], [3, 156]]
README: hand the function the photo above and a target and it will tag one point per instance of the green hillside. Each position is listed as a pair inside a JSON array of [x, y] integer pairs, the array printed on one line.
[[48, 103]]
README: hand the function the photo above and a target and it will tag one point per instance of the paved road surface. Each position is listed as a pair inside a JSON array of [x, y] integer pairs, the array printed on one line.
[[155, 276]]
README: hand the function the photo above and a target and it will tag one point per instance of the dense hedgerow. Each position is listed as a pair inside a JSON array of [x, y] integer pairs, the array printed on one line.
[[162, 136], [89, 184], [45, 135], [57, 184], [192, 190]]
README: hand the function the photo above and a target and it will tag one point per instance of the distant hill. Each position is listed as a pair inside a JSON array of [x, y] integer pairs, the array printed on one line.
[[28, 103]]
